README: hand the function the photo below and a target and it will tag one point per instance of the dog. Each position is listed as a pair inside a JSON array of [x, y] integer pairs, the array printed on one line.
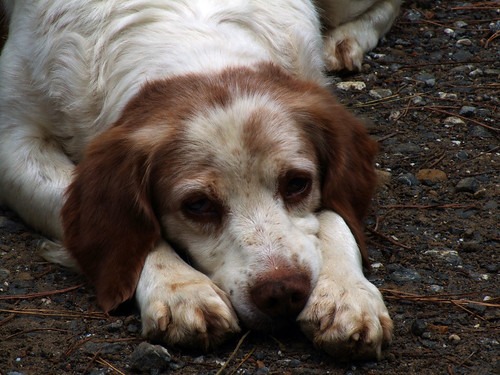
[[190, 154]]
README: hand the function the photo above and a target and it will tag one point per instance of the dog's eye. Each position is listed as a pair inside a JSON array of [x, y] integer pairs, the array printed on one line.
[[296, 188], [201, 208]]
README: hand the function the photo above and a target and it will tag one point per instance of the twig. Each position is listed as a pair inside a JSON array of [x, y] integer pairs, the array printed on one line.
[[462, 117], [35, 330], [102, 361], [492, 38], [232, 354], [438, 298], [40, 294], [427, 206], [242, 361], [387, 238], [55, 313], [7, 319]]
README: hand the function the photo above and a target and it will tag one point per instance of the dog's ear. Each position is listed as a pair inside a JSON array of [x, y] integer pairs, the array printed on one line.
[[346, 154], [109, 223]]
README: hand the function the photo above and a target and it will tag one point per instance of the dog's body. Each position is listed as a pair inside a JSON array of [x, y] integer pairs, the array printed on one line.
[[200, 126]]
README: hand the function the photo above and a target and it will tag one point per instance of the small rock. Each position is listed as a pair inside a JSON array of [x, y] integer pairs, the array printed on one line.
[[436, 288], [418, 100], [418, 327], [452, 120], [115, 326], [462, 56], [454, 337], [383, 177], [431, 175], [464, 42], [460, 24], [380, 93], [4, 274], [446, 95], [467, 185], [476, 73], [449, 256], [132, 328], [427, 78], [407, 148], [413, 15], [480, 132], [462, 155], [449, 32], [408, 179], [351, 85], [467, 110], [150, 358], [404, 275]]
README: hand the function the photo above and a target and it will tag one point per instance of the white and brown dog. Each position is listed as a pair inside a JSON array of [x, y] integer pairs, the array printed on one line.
[[188, 153]]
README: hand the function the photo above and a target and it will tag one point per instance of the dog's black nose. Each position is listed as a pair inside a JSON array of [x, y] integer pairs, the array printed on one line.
[[281, 295]]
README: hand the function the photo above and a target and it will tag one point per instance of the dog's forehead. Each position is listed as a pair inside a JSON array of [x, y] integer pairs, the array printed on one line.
[[253, 132]]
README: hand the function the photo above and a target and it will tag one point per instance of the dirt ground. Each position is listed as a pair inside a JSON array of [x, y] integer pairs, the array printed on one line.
[[431, 98]]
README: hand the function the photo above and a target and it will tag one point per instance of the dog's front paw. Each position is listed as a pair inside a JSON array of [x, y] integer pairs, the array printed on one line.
[[342, 53], [347, 322], [191, 313]]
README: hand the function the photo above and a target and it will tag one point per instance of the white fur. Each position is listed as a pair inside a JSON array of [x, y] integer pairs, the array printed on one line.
[[68, 69]]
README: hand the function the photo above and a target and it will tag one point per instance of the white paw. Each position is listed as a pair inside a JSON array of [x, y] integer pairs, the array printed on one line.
[[343, 53], [191, 313], [347, 322]]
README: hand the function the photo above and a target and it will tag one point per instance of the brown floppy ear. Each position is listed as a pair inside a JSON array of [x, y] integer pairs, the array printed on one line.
[[109, 223], [346, 154]]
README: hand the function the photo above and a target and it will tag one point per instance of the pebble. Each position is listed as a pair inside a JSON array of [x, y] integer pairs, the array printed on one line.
[[460, 24], [4, 274], [467, 110], [418, 327], [476, 73], [383, 177], [449, 32], [431, 176], [150, 358], [449, 256], [463, 42], [380, 93], [406, 148], [480, 132], [452, 120], [408, 179], [446, 95], [426, 78], [115, 326], [454, 337], [418, 100], [351, 85], [404, 275], [467, 185], [413, 15], [462, 56]]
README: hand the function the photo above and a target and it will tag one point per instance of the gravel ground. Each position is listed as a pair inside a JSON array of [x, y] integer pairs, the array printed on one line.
[[429, 93]]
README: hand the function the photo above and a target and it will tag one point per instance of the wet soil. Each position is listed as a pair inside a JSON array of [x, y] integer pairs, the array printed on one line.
[[430, 97]]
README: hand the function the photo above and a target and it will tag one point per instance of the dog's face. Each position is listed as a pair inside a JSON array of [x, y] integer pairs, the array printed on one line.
[[231, 170], [239, 196]]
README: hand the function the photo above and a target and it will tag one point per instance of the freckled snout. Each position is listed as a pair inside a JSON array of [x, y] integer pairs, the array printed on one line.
[[281, 294]]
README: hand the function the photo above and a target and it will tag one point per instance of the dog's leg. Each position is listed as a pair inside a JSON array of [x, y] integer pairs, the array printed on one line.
[[180, 305], [354, 28], [345, 315], [34, 171]]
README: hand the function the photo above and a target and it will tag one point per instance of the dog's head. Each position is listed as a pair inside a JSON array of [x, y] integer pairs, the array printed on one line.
[[231, 168]]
